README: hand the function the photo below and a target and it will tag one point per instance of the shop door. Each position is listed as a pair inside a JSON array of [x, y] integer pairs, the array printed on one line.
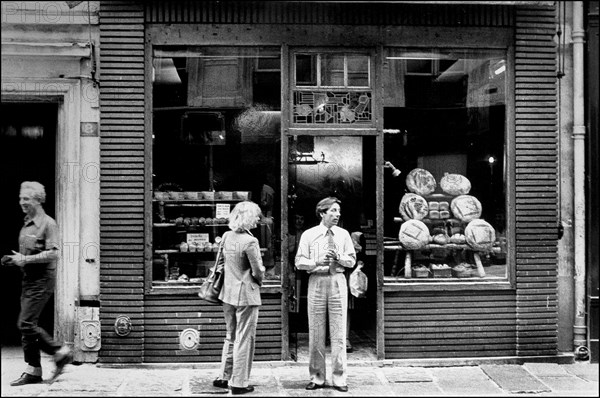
[[343, 167], [27, 153]]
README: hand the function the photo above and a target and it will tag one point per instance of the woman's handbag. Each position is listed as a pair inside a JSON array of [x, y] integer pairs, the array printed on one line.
[[210, 289]]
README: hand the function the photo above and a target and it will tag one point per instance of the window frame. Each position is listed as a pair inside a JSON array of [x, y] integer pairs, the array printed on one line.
[[391, 283], [269, 286]]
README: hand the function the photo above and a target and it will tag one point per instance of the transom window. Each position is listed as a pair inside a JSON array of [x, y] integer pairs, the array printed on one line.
[[332, 70]]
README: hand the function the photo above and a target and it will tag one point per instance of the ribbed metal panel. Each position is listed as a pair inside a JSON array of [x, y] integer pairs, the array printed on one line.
[[450, 324], [157, 319], [536, 182], [122, 178], [281, 12], [165, 317]]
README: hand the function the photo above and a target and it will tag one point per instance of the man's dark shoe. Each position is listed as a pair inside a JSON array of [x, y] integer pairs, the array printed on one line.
[[62, 357], [314, 386], [26, 378], [241, 390], [341, 388], [220, 383]]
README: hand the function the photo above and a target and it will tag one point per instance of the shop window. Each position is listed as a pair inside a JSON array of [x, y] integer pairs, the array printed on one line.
[[445, 155], [332, 88], [216, 125]]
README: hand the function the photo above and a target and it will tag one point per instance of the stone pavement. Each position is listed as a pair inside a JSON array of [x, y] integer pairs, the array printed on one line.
[[365, 378]]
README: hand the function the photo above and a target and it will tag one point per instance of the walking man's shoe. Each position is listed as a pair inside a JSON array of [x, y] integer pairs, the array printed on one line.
[[26, 378], [62, 357], [341, 388]]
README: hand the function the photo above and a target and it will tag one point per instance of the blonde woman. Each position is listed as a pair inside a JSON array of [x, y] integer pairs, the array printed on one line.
[[244, 272]]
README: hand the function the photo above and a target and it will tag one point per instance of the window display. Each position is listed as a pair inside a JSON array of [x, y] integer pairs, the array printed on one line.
[[445, 148], [216, 141]]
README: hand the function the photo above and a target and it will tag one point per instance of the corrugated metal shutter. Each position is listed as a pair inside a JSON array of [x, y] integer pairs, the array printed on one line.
[[122, 178], [283, 12], [536, 181]]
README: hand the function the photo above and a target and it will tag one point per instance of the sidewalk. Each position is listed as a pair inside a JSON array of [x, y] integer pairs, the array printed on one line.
[[288, 380]]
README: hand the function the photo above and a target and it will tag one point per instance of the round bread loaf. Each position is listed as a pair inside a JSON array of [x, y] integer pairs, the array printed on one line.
[[466, 207], [413, 234], [420, 181], [455, 184], [413, 207], [480, 235]]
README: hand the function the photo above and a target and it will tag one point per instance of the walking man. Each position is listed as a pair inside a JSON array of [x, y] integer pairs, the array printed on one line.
[[38, 251]]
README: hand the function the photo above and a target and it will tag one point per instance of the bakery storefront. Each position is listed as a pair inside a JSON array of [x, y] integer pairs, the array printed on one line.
[[433, 123]]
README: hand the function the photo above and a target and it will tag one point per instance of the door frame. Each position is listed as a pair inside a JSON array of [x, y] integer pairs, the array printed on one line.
[[288, 130], [67, 182]]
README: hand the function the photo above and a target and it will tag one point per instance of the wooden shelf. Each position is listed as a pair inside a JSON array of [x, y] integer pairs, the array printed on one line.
[[174, 251], [449, 246], [194, 201]]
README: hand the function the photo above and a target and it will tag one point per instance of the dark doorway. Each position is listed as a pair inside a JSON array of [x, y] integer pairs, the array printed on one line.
[[27, 153], [344, 167]]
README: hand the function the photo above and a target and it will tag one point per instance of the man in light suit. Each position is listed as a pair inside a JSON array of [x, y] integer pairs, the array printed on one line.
[[243, 272], [325, 251]]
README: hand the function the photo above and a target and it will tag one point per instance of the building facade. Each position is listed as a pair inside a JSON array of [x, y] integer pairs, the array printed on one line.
[[450, 132]]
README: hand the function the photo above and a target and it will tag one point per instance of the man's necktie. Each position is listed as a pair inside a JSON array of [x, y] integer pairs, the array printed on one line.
[[331, 246], [330, 242]]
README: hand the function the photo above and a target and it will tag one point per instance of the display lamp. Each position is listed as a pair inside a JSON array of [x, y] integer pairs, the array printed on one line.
[[395, 171]]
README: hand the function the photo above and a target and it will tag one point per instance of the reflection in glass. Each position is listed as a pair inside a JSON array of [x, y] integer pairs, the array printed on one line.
[[332, 70], [445, 113], [216, 141], [358, 70]]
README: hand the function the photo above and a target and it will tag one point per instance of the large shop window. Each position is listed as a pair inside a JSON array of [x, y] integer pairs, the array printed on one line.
[[445, 156], [216, 141]]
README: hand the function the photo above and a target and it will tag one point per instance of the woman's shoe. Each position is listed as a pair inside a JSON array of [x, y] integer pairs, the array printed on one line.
[[220, 383], [241, 390], [314, 386]]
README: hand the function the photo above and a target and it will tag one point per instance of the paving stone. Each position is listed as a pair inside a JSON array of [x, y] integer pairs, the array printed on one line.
[[514, 379], [407, 375], [415, 389], [200, 383], [31, 390], [76, 393], [462, 381], [154, 382], [545, 369], [569, 383], [585, 370], [358, 377], [83, 379]]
